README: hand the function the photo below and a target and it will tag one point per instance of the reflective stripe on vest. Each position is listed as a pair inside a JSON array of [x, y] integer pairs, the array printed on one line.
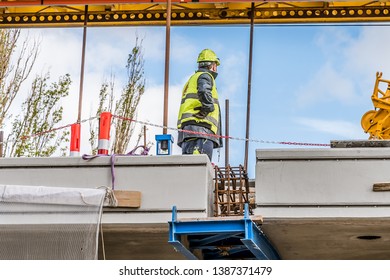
[[208, 118], [195, 96], [190, 101]]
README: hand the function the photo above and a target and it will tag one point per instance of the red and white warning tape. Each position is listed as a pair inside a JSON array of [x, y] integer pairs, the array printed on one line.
[[224, 137], [176, 129]]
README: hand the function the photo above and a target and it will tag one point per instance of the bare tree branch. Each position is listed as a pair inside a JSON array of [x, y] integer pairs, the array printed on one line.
[[128, 102], [13, 72]]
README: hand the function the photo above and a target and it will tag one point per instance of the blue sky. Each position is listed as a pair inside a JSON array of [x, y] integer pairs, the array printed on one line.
[[310, 83]]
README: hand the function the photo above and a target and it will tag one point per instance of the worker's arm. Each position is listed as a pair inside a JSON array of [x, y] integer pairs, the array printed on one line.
[[205, 85]]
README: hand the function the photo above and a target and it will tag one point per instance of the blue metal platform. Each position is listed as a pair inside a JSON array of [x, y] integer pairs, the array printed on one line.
[[220, 239]]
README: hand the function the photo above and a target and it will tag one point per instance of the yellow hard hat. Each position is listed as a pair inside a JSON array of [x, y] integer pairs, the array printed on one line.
[[208, 55]]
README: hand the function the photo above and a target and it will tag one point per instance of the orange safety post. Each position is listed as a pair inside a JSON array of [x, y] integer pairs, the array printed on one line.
[[75, 140], [104, 133]]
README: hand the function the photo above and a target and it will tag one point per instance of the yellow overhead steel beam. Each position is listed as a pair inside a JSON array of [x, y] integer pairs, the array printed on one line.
[[25, 14]]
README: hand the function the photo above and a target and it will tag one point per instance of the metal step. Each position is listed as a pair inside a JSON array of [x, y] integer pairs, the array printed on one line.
[[220, 238]]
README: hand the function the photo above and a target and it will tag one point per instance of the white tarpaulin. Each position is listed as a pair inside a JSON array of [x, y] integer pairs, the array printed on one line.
[[39, 222], [51, 195]]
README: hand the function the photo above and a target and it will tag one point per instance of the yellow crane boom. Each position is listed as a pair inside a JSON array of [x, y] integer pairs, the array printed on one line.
[[377, 122]]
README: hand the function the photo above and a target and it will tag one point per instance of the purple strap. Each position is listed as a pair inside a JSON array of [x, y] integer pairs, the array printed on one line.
[[144, 152]]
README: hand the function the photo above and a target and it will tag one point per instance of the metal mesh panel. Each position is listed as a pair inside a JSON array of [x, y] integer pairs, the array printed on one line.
[[43, 223], [231, 191]]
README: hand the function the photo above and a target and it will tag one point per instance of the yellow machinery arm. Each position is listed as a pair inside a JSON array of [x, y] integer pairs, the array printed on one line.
[[377, 122]]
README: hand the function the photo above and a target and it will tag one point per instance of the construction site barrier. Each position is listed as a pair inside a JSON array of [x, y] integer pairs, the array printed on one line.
[[109, 116], [104, 133], [75, 140]]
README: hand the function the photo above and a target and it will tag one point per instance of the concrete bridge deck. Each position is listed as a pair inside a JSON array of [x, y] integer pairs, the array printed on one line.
[[325, 203], [315, 203]]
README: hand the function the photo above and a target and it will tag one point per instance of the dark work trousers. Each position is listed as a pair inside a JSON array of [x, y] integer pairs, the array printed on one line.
[[198, 146]]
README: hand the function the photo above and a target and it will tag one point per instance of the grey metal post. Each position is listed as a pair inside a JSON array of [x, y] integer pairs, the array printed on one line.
[[248, 108], [227, 132], [166, 79], [82, 64]]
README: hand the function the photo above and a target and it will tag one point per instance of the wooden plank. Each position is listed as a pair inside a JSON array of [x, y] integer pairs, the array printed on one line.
[[130, 199], [381, 187]]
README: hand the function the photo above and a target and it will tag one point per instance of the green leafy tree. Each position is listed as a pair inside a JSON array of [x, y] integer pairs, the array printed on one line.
[[15, 67], [33, 132], [127, 103]]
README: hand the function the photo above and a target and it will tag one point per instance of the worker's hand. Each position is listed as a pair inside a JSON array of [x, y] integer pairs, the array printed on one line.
[[200, 115]]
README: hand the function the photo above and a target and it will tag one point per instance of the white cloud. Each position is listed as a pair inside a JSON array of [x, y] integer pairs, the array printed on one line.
[[183, 50], [326, 85], [333, 39], [231, 81], [60, 51], [340, 128], [352, 57], [369, 51]]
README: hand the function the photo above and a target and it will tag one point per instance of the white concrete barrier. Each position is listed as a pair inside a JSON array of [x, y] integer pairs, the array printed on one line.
[[164, 181], [333, 182]]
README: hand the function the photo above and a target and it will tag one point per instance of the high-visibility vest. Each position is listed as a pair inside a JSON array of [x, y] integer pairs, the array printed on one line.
[[190, 101]]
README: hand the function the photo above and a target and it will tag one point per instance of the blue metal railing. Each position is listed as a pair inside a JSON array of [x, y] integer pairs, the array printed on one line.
[[221, 239]]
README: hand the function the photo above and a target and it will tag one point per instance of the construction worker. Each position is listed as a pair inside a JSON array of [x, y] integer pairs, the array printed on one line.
[[199, 115]]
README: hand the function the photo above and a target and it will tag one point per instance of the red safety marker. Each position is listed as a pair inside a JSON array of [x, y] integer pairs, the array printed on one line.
[[75, 140], [104, 133]]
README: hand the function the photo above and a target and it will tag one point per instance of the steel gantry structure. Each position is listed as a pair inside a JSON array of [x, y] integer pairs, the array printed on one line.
[[30, 13]]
